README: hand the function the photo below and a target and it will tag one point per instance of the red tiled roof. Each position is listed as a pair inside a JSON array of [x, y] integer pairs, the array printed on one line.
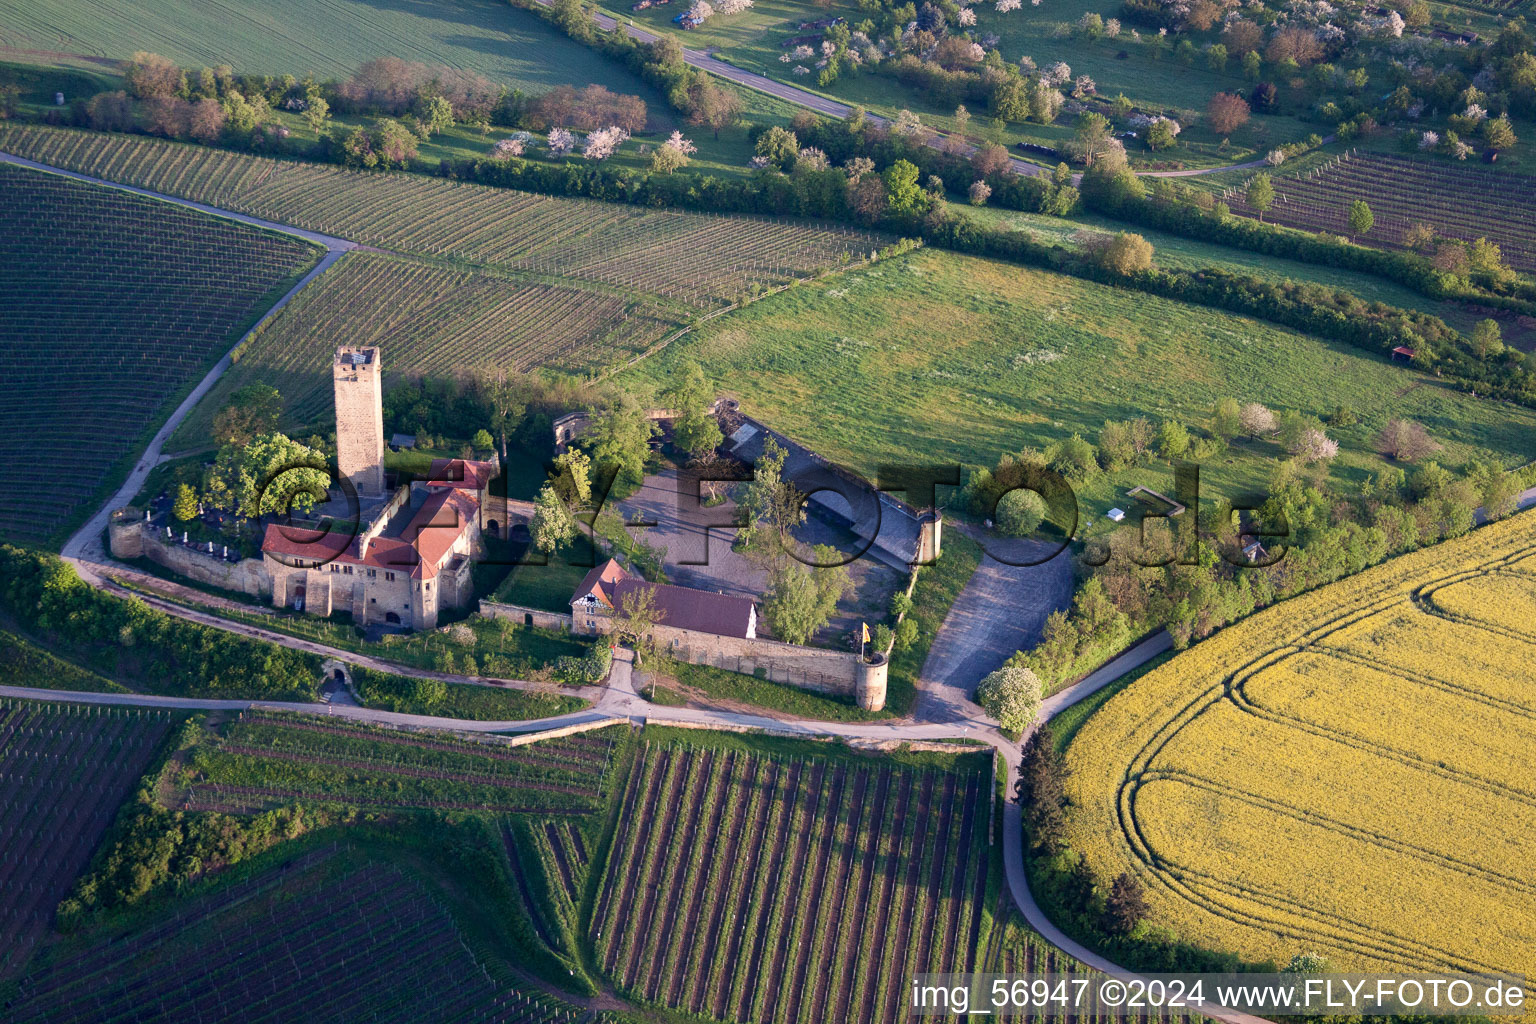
[[420, 550], [599, 582], [461, 474]]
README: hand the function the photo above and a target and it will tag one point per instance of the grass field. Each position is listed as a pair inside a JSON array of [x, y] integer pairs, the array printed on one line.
[[67, 768], [113, 306], [1257, 784], [326, 38], [955, 359]]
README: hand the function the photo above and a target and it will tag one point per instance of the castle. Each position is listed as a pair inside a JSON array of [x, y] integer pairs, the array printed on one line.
[[413, 550]]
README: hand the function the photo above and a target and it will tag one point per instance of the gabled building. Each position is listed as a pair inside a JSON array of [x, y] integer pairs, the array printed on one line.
[[601, 596]]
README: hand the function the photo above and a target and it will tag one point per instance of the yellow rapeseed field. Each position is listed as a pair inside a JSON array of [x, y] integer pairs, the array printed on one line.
[[1351, 773]]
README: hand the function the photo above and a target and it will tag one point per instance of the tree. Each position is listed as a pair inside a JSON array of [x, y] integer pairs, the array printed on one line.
[[1020, 513], [1011, 695], [1405, 441], [1313, 445], [435, 114], [1256, 420], [149, 74], [778, 146], [1092, 138], [185, 508], [110, 111], [552, 524], [672, 154], [1216, 57], [800, 600], [1172, 439], [1498, 133], [636, 616], [769, 504], [269, 474], [1161, 136], [903, 194], [251, 410], [1226, 113], [1361, 220], [317, 112], [1125, 906], [482, 440], [1126, 253], [1261, 194], [620, 437], [603, 143], [979, 193], [1226, 419], [989, 160], [572, 478], [506, 395], [712, 107], [1487, 340], [206, 122]]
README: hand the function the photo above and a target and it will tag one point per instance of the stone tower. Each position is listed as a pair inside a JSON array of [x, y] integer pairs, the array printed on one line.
[[359, 418]]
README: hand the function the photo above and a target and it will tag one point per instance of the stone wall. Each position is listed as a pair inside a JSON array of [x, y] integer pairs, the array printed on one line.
[[248, 575], [525, 616], [810, 668]]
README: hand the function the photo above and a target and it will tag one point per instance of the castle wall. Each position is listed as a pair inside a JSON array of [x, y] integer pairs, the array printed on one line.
[[524, 615], [248, 576]]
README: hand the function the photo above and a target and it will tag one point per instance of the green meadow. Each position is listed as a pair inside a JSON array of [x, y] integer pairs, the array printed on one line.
[[946, 358]]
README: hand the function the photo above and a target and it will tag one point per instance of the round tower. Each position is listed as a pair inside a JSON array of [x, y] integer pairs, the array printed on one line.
[[125, 533], [869, 688]]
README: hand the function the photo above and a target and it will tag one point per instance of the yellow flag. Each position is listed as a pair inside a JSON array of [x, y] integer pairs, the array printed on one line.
[[866, 631]]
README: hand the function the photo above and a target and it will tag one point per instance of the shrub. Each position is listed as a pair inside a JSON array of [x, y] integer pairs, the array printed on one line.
[[1011, 695]]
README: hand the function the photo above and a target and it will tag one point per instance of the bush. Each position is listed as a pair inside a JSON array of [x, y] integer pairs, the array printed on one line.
[[1020, 513], [1011, 695]]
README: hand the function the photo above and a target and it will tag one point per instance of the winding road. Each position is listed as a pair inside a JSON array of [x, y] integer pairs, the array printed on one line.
[[947, 681]]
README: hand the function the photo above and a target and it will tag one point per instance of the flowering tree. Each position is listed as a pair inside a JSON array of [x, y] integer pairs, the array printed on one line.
[[1256, 420], [907, 123], [1056, 74], [1429, 140], [980, 192], [672, 154], [1012, 695], [700, 11], [1004, 6], [1314, 446], [731, 6], [507, 148], [811, 159], [967, 17], [561, 142], [601, 144]]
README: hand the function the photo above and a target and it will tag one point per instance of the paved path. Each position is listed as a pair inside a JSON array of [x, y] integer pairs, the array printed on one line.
[[1001, 610]]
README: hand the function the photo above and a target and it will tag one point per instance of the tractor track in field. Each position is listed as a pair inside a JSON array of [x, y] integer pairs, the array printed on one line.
[[535, 914], [557, 849]]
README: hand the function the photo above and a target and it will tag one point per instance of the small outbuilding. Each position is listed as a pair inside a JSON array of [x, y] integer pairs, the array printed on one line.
[[1115, 515], [1404, 353]]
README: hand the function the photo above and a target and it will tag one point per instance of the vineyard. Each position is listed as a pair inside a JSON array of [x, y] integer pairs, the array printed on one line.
[[1457, 200], [64, 769], [760, 887], [111, 305], [694, 260], [1347, 774], [326, 937], [268, 759], [432, 319]]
